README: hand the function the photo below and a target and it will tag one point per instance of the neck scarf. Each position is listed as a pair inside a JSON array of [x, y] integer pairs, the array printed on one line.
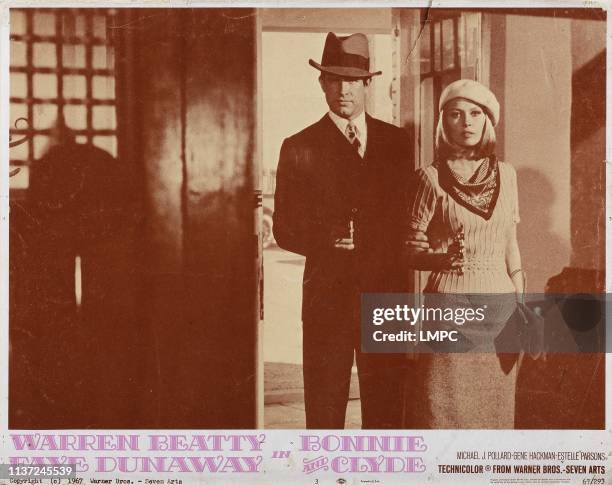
[[479, 193]]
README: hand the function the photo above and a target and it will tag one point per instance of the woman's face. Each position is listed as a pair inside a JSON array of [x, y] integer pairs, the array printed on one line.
[[464, 122]]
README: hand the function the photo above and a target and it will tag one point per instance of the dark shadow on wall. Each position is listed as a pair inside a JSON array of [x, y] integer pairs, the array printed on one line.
[[166, 332], [534, 230], [69, 348], [188, 114], [567, 390], [588, 136], [588, 99]]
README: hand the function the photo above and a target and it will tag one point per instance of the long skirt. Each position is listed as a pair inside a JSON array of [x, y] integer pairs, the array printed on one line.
[[468, 390]]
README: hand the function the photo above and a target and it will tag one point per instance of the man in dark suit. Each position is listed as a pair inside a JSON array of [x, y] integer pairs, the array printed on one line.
[[341, 194]]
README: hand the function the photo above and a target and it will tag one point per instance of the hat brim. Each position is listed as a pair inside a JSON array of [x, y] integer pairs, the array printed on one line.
[[343, 71]]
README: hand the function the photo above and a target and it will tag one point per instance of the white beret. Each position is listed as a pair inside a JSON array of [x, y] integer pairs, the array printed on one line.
[[472, 91]]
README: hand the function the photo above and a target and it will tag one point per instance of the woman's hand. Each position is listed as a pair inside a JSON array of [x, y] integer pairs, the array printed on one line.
[[444, 262]]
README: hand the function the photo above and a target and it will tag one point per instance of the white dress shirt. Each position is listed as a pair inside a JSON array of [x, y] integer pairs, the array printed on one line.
[[360, 124]]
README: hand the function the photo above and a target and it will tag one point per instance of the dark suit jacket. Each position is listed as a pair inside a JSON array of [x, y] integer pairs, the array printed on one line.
[[321, 184]]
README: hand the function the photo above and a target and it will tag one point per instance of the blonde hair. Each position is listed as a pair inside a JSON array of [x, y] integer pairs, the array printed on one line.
[[447, 149]]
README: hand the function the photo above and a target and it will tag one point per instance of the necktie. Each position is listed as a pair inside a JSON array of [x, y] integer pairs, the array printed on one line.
[[352, 135]]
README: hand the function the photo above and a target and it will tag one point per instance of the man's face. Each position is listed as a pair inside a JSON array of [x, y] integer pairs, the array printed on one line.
[[344, 96]]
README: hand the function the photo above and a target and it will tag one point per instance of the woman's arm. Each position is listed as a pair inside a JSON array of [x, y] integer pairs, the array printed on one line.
[[420, 213], [513, 255], [513, 261]]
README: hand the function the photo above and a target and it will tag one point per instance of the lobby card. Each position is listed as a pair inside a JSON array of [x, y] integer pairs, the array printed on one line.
[[210, 209]]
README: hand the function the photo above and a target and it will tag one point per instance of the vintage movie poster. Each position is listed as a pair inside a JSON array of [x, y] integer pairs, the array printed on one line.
[[304, 242]]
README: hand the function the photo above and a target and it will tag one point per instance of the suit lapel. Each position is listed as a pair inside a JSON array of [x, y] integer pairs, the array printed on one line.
[[334, 144], [374, 140]]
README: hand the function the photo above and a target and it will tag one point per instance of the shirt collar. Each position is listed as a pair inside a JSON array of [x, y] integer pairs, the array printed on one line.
[[360, 123]]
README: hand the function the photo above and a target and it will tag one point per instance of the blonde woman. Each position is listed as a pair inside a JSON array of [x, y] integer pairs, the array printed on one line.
[[468, 197]]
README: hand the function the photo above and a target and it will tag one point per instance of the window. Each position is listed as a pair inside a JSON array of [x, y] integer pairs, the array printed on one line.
[[449, 50], [62, 64]]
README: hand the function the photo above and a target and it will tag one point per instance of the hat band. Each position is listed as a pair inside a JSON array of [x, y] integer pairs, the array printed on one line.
[[346, 60]]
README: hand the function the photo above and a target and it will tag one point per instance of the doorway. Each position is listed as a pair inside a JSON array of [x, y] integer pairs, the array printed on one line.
[[292, 100]]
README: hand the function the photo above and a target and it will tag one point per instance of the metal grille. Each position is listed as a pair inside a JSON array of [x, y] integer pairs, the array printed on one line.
[[62, 63]]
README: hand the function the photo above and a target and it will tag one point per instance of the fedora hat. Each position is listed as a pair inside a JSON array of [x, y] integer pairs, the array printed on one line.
[[346, 56]]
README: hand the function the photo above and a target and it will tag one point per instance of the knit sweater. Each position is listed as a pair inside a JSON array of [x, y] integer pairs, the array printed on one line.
[[437, 214]]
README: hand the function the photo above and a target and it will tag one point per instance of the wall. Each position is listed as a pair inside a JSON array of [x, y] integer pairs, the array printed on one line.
[[536, 108], [165, 336], [195, 117], [366, 20], [553, 107]]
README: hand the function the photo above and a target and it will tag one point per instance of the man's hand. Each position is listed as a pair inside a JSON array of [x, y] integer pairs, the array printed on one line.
[[341, 236], [417, 242], [345, 243], [422, 257]]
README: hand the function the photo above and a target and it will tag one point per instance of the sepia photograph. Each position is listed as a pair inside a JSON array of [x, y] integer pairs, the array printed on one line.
[[498, 109], [200, 198], [133, 246]]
